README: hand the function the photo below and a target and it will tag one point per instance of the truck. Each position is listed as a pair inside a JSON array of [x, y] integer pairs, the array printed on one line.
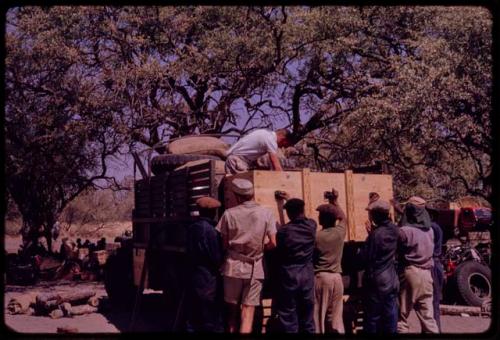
[[466, 226], [154, 257]]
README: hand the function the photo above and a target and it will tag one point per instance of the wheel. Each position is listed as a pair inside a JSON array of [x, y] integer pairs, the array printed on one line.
[[168, 162], [119, 279], [473, 282]]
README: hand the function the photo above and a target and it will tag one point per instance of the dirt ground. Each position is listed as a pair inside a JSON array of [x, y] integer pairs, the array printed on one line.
[[152, 318]]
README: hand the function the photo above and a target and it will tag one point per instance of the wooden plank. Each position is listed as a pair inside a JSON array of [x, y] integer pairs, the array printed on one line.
[[306, 192], [138, 259], [349, 192], [363, 184], [458, 310]]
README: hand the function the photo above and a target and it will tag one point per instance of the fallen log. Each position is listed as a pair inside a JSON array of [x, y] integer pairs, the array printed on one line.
[[56, 314], [93, 301], [459, 310], [70, 311], [21, 304], [50, 301]]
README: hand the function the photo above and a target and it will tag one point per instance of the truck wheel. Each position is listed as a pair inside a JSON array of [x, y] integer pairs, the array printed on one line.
[[162, 163], [473, 281], [119, 279]]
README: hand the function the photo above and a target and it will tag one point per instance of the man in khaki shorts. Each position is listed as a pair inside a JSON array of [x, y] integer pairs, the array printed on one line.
[[245, 229], [248, 152]]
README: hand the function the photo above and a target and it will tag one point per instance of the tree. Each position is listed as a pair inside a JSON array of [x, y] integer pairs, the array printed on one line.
[[59, 131], [407, 86]]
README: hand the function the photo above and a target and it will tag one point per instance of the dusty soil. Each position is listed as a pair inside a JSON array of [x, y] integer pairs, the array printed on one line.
[[149, 319], [152, 316]]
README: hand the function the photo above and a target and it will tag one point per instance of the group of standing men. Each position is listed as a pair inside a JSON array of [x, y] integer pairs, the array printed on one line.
[[308, 292], [227, 259]]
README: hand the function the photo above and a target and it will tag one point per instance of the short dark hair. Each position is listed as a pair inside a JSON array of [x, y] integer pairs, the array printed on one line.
[[288, 134], [294, 206]]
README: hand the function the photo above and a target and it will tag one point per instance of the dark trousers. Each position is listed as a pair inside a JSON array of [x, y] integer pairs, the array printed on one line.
[[437, 273], [204, 316], [381, 313], [295, 300]]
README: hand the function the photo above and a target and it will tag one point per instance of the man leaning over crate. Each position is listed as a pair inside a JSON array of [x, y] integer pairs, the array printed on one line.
[[243, 155], [245, 229]]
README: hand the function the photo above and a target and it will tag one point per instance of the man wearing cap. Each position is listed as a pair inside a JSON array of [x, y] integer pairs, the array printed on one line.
[[243, 155], [205, 256], [416, 247], [245, 229], [380, 280], [294, 303], [328, 287]]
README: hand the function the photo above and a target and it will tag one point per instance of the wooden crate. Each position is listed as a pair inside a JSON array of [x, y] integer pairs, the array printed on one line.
[[310, 186]]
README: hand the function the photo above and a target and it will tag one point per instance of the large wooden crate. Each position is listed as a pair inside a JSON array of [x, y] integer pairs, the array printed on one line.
[[310, 186]]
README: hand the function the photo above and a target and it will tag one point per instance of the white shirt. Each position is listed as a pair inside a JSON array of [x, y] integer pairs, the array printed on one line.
[[245, 227], [255, 144]]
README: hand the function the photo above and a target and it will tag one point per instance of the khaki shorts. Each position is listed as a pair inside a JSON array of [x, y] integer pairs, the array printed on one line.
[[235, 164], [243, 291]]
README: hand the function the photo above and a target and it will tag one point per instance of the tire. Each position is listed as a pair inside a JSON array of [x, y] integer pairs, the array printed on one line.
[[473, 282], [119, 279], [163, 163]]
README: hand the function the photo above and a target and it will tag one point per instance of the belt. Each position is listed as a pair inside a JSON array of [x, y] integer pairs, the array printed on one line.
[[247, 259]]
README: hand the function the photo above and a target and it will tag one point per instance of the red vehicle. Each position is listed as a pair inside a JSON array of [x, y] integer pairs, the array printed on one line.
[[466, 265]]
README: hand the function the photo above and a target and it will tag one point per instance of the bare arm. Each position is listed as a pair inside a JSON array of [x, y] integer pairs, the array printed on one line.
[[275, 161], [272, 242]]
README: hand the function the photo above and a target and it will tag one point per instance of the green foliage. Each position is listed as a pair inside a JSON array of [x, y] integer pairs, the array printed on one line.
[[407, 86]]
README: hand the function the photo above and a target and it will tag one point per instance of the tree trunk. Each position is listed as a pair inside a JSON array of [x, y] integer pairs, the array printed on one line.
[[50, 301]]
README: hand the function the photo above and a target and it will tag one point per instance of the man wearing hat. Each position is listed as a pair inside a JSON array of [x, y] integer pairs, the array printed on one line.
[[328, 287], [205, 256], [380, 280], [245, 229], [294, 303], [416, 244], [243, 155]]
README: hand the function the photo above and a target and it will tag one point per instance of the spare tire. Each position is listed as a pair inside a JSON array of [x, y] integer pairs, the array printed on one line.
[[473, 281], [163, 163]]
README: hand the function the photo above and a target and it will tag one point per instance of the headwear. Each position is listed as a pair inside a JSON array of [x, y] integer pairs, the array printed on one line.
[[416, 201], [242, 187], [415, 214], [379, 205], [373, 196], [330, 209], [207, 203]]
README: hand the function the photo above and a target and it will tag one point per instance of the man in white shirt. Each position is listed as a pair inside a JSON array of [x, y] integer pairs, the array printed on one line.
[[244, 230], [242, 156]]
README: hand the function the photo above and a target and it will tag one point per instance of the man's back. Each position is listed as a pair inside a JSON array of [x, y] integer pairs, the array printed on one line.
[[380, 248], [255, 144], [245, 227], [295, 241], [417, 245], [329, 247]]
